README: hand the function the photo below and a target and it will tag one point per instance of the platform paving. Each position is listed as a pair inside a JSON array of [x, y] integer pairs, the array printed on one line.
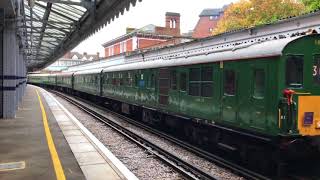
[[23, 139], [25, 151]]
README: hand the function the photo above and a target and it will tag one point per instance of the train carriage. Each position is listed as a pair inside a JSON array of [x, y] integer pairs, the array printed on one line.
[[257, 99], [64, 81], [238, 87], [88, 81], [258, 94], [132, 86]]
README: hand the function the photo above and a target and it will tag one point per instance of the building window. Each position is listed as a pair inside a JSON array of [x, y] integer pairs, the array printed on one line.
[[123, 47], [112, 50], [173, 23]]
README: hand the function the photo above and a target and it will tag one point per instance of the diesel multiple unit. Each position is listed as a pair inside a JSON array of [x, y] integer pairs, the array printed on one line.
[[255, 99]]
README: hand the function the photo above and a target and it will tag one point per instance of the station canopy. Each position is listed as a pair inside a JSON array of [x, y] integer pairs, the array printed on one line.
[[53, 27]]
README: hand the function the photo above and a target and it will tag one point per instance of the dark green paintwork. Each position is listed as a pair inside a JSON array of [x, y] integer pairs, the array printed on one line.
[[243, 110]]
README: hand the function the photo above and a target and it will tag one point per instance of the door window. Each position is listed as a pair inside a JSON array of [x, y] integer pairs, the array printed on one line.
[[259, 83], [194, 81], [206, 82], [229, 82], [173, 80], [294, 71], [183, 81]]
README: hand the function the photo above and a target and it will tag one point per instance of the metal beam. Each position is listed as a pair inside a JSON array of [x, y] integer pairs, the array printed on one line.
[[58, 13], [82, 3], [51, 27], [44, 25], [53, 22]]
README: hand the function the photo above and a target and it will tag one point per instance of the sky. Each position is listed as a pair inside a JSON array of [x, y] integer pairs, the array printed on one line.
[[149, 12]]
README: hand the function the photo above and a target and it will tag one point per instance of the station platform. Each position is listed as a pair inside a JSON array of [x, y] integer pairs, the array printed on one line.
[[45, 141]]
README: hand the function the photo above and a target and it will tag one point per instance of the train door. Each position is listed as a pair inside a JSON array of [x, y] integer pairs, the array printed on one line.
[[258, 101], [229, 93], [182, 86], [164, 86], [174, 91]]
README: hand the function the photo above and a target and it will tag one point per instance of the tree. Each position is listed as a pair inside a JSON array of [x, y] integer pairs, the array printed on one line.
[[311, 4], [249, 13]]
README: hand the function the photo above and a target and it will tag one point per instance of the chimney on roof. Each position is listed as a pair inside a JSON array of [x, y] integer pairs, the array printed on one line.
[[172, 20], [85, 54], [98, 55]]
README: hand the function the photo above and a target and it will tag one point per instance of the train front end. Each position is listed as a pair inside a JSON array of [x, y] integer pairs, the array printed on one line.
[[299, 107]]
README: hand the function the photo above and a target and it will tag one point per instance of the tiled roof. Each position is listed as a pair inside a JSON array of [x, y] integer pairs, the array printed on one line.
[[81, 56], [146, 30], [211, 12]]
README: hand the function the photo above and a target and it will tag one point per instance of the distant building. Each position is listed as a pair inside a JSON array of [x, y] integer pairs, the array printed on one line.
[[146, 37], [208, 20], [71, 59], [85, 56]]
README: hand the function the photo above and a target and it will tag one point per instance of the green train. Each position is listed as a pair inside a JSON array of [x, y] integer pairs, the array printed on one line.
[[260, 99]]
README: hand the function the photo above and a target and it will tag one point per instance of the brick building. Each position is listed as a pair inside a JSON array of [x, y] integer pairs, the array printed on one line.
[[208, 19], [146, 37]]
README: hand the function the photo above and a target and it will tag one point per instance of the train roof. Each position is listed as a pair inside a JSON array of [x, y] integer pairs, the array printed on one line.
[[40, 75], [64, 74], [90, 71], [269, 48]]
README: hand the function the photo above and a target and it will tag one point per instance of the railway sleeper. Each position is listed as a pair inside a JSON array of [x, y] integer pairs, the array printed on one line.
[[263, 157]]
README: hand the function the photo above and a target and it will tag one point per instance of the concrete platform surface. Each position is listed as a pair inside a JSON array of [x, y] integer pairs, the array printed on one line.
[[27, 152]]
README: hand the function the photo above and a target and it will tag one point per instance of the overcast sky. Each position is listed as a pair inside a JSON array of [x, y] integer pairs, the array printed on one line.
[[149, 12]]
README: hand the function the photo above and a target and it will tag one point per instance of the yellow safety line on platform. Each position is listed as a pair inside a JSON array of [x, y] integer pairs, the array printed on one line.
[[54, 155]]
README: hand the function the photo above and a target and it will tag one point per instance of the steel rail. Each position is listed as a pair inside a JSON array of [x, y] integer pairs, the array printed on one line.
[[237, 169], [186, 169]]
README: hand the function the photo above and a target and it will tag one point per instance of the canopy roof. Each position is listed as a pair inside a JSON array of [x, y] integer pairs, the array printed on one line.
[[53, 27]]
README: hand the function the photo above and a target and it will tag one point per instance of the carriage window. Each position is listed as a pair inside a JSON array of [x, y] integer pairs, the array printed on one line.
[[259, 83], [136, 80], [200, 82], [194, 74], [183, 81], [152, 81], [194, 81], [316, 70], [294, 71], [173, 80], [129, 79], [206, 74], [229, 82]]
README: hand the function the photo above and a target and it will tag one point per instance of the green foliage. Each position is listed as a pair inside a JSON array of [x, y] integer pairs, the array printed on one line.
[[311, 4], [248, 13]]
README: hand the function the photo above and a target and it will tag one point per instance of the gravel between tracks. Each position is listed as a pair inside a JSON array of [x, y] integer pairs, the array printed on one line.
[[140, 162], [143, 164]]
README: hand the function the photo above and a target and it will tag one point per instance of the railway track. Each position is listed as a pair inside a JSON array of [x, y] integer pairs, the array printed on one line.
[[186, 169]]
